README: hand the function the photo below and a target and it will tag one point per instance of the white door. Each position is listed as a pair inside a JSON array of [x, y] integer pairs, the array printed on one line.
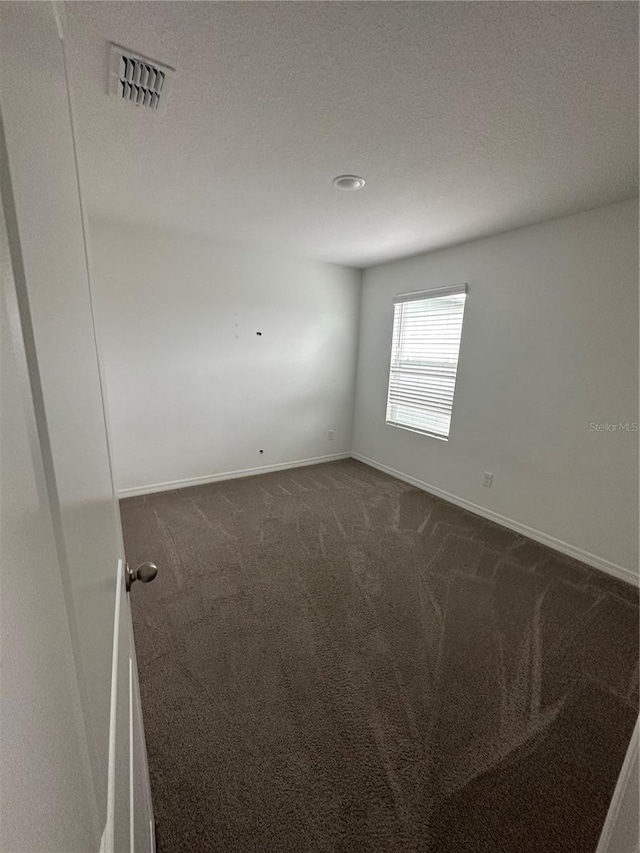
[[41, 197]]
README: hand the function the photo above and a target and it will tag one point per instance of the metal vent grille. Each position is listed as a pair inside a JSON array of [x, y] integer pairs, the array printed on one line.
[[137, 80]]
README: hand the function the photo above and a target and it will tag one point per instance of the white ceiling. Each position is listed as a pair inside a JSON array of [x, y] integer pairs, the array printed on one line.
[[466, 119]]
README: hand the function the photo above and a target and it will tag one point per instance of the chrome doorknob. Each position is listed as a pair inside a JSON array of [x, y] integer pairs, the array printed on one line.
[[145, 573]]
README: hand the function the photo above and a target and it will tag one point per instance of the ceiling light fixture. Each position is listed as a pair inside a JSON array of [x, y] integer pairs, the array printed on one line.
[[348, 182]]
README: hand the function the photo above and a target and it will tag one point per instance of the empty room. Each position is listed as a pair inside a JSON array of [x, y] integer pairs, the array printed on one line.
[[319, 426]]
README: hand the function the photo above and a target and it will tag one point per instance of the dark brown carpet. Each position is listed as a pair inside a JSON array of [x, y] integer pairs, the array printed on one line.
[[332, 660]]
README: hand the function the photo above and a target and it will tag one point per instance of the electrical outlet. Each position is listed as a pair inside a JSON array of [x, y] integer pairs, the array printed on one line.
[[331, 434], [487, 480]]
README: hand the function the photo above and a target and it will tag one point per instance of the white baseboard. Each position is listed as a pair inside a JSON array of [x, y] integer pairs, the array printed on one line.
[[590, 559], [607, 566], [226, 475]]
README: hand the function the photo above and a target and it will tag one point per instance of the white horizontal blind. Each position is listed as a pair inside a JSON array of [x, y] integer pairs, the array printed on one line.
[[427, 328]]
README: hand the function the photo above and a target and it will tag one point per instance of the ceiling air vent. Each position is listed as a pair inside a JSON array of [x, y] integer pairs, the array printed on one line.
[[137, 80]]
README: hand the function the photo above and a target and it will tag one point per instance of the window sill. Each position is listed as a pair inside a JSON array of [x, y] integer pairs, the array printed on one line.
[[418, 431]]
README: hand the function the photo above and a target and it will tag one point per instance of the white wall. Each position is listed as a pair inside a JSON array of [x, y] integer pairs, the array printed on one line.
[[550, 345], [192, 390]]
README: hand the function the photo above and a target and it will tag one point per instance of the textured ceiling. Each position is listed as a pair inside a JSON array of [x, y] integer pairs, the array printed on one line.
[[466, 119]]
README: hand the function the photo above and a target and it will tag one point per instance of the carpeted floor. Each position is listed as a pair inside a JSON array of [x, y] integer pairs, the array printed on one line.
[[332, 660]]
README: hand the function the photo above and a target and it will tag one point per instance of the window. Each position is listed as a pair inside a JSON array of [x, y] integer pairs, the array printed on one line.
[[427, 328]]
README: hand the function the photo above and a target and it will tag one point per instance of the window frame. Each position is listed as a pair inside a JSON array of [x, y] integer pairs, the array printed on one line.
[[419, 296]]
